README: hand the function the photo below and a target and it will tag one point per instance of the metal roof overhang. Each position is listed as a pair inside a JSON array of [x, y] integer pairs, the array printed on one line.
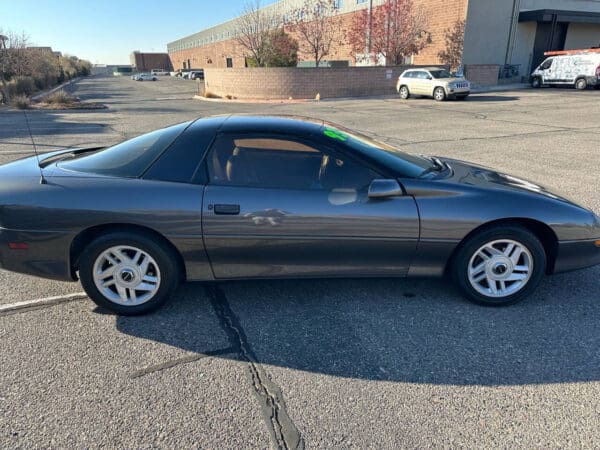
[[548, 16]]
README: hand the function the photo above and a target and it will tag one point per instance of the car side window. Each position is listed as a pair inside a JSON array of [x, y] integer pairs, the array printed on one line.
[[546, 64], [409, 75], [280, 163]]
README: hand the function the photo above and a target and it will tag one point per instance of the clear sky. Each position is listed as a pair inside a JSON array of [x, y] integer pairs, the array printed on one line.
[[107, 31]]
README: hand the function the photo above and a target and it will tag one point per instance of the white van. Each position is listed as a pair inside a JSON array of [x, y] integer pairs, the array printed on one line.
[[580, 70]]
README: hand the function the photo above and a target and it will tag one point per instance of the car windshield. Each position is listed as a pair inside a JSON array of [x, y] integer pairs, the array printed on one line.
[[404, 164], [440, 73], [128, 159]]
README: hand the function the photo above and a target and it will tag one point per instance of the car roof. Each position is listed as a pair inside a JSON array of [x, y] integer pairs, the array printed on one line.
[[425, 68], [277, 124]]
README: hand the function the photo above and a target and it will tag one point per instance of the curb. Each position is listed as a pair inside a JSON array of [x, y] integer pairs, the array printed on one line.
[[41, 95], [249, 100]]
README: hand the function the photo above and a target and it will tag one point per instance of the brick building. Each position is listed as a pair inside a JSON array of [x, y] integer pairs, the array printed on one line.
[[498, 32], [145, 62]]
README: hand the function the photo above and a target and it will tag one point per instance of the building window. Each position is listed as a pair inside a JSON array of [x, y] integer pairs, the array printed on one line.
[[338, 4], [229, 62], [360, 1]]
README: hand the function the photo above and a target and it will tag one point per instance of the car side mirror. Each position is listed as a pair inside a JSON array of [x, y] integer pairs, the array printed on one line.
[[385, 188]]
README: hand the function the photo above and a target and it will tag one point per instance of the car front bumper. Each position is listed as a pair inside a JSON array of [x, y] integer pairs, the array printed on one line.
[[458, 92], [573, 255], [47, 254]]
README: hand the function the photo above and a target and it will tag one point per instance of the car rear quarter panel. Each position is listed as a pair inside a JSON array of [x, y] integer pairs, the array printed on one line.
[[66, 206]]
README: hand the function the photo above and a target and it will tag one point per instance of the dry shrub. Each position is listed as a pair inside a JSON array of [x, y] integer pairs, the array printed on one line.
[[60, 97], [21, 102], [209, 94], [22, 86]]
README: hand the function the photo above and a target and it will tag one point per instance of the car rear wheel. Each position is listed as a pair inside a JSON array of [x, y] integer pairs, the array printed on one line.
[[439, 94], [499, 266], [404, 93], [581, 84], [128, 273]]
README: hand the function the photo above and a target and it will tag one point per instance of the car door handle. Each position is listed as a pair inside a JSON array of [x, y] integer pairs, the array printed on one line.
[[226, 209]]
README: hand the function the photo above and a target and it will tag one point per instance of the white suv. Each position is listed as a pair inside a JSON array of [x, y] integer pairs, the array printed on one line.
[[432, 82]]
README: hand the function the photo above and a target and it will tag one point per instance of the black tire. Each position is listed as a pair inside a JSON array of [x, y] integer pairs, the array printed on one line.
[[404, 93], [439, 94], [581, 84], [460, 263], [536, 82], [163, 256]]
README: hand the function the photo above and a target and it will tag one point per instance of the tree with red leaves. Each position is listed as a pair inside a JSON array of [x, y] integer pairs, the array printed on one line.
[[317, 27], [396, 29]]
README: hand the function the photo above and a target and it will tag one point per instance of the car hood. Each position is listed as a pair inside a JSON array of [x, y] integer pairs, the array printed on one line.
[[453, 80], [470, 174]]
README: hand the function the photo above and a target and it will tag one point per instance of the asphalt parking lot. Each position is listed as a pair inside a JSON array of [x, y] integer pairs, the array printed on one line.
[[381, 363]]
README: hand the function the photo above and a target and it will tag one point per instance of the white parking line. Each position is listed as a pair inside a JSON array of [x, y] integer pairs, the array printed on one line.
[[47, 301]]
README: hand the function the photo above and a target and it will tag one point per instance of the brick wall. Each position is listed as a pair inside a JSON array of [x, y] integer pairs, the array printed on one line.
[[144, 62], [441, 14], [282, 83], [482, 74]]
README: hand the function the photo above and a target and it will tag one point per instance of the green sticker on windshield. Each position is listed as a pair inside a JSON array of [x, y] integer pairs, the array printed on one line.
[[335, 134]]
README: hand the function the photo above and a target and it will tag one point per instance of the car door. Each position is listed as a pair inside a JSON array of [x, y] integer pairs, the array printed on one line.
[[425, 83], [284, 207], [417, 83], [546, 70]]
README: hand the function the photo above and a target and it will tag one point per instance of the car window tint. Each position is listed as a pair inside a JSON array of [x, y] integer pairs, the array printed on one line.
[[546, 64], [128, 159], [422, 75], [442, 73], [279, 163], [408, 75]]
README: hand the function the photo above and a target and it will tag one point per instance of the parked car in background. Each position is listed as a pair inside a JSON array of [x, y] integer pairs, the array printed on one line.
[[159, 72], [432, 82], [187, 72], [196, 75], [577, 69], [238, 197], [144, 77]]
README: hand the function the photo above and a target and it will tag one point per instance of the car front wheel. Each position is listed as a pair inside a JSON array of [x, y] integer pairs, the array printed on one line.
[[439, 94], [128, 273], [536, 82], [499, 266]]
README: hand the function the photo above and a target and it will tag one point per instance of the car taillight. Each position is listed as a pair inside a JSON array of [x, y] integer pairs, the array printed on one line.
[[598, 72]]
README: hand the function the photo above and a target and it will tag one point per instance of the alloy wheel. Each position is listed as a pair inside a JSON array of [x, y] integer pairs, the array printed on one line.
[[126, 275], [500, 268]]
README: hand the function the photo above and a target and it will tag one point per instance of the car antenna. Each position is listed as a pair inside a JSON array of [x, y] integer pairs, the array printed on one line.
[[37, 156]]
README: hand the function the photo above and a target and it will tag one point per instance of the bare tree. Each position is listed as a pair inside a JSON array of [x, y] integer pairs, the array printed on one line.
[[455, 40], [317, 27], [15, 59], [252, 30], [397, 29]]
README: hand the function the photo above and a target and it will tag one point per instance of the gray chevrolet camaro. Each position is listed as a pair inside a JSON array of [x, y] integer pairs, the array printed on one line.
[[238, 197]]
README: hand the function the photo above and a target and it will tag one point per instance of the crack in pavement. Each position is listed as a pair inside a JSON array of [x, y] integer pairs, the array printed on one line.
[[178, 361], [282, 428]]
